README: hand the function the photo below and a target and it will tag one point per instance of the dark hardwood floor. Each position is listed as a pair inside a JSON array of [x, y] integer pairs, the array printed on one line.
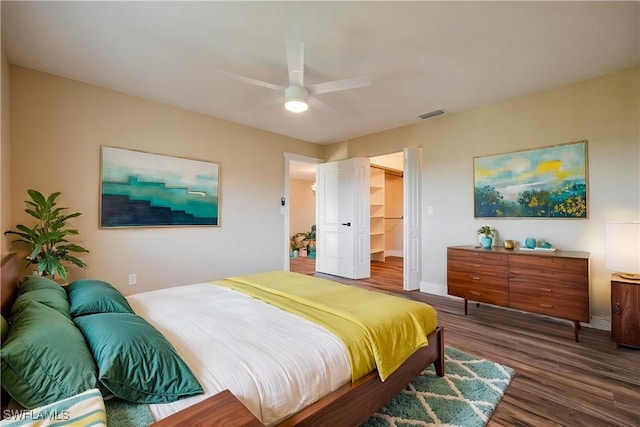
[[558, 382]]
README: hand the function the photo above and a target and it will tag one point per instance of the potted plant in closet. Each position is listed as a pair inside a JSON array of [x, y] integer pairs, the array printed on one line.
[[310, 238], [47, 241]]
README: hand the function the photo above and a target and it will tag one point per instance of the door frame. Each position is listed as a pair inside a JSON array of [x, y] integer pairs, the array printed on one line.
[[284, 210], [286, 214]]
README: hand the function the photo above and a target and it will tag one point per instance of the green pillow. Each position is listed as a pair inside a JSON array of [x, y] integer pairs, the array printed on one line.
[[135, 361], [32, 282], [49, 297], [45, 357], [42, 290], [88, 296], [5, 328]]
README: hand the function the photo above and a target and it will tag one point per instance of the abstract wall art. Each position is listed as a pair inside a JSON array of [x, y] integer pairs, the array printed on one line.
[[542, 183], [141, 189]]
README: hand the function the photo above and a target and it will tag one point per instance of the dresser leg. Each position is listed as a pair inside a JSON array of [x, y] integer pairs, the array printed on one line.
[[576, 328], [465, 307]]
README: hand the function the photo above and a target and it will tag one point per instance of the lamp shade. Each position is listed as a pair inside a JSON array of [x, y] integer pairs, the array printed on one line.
[[623, 248]]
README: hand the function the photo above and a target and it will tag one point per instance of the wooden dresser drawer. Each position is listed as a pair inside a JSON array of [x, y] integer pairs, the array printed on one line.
[[480, 294], [550, 263], [560, 301], [477, 269], [485, 257], [548, 278]]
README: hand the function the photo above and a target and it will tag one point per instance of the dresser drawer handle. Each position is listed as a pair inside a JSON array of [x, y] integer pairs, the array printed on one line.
[[475, 278], [546, 305], [545, 289], [476, 293], [475, 265]]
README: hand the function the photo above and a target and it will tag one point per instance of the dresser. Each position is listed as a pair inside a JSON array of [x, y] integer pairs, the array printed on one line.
[[555, 284], [625, 311]]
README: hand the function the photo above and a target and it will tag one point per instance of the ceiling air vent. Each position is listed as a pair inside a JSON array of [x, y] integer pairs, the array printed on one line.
[[431, 114]]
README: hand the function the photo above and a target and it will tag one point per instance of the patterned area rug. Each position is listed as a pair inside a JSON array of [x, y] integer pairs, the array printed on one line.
[[466, 396]]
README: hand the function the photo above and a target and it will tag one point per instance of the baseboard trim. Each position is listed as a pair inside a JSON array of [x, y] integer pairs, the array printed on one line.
[[598, 322], [433, 288], [399, 254]]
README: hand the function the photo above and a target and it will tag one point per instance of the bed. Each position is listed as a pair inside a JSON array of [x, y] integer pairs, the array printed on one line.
[[338, 396]]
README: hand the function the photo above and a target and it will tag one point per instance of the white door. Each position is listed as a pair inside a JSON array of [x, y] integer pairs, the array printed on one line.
[[411, 214], [343, 213]]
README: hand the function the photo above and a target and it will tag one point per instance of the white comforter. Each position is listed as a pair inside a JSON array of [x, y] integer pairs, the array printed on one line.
[[276, 363]]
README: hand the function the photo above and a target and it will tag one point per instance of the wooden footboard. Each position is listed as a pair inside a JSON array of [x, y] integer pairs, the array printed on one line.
[[353, 403]]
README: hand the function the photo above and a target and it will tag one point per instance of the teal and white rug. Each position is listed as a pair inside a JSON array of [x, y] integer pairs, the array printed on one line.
[[466, 396]]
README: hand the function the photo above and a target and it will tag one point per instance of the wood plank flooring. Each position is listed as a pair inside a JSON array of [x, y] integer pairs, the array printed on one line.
[[558, 382]]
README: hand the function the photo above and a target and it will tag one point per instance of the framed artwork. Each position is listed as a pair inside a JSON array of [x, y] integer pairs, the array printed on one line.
[[542, 183], [139, 189]]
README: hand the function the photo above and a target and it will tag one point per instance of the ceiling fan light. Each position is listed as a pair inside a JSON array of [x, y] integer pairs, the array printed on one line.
[[296, 105], [295, 99]]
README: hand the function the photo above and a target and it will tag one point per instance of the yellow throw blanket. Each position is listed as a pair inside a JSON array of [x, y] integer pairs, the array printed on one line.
[[380, 331]]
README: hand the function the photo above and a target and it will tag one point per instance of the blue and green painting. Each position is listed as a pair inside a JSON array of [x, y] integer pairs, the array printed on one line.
[[143, 189], [543, 183]]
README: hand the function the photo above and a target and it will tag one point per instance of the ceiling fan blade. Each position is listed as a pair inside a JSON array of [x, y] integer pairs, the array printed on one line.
[[316, 104], [295, 62], [337, 85], [251, 81]]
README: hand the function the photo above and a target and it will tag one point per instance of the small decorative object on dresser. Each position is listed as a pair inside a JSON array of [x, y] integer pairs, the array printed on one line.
[[530, 242], [485, 234], [555, 284]]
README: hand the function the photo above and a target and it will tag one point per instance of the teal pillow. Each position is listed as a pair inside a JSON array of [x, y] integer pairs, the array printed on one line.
[[45, 357], [88, 296], [5, 328], [135, 361], [42, 290]]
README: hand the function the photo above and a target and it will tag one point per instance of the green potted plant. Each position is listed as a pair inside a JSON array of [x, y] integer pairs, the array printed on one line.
[[486, 234], [47, 239], [293, 249], [311, 242]]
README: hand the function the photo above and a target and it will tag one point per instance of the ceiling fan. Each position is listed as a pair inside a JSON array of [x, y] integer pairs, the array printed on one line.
[[296, 94]]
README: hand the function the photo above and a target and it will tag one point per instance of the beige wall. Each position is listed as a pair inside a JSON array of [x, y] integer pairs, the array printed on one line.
[[605, 111], [58, 127], [302, 207], [5, 157]]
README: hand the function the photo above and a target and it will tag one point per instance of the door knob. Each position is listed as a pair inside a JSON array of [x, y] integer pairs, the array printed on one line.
[[348, 224]]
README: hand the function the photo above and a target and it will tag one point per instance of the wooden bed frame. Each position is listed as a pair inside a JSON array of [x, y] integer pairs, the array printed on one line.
[[350, 405]]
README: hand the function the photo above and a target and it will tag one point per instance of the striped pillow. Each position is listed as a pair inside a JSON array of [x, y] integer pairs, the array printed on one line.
[[84, 409]]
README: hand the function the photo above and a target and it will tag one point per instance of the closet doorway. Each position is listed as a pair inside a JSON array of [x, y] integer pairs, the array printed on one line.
[[400, 253], [387, 228]]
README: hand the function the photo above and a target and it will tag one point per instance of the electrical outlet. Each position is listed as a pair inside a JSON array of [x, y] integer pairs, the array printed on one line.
[[132, 279]]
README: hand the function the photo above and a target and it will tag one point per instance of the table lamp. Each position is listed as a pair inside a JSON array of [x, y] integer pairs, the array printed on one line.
[[623, 248]]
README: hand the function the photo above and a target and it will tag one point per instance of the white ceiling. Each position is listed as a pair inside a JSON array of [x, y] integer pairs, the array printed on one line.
[[422, 56]]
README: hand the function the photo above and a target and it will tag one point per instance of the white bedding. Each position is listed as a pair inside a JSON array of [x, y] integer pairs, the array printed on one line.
[[276, 363]]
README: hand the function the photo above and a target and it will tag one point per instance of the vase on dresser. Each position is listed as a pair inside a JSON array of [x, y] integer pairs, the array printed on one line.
[[486, 242]]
